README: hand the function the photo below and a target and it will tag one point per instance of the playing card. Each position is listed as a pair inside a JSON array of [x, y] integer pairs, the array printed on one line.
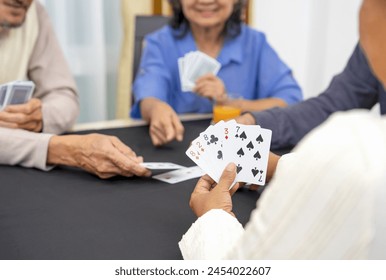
[[194, 65], [161, 165], [249, 148], [16, 92], [185, 84], [180, 175], [213, 142], [200, 155], [203, 64], [245, 145]]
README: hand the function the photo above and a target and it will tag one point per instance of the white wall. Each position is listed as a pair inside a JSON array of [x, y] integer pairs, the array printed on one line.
[[314, 37], [89, 32]]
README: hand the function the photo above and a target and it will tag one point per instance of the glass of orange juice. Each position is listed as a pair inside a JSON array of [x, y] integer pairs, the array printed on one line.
[[225, 111]]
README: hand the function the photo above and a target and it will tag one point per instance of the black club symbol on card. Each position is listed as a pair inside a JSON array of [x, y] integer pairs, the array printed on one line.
[[250, 145], [257, 155], [240, 152], [238, 168], [213, 139], [219, 154], [259, 139]]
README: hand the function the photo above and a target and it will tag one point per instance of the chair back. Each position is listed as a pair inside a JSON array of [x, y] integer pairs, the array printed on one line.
[[143, 26]]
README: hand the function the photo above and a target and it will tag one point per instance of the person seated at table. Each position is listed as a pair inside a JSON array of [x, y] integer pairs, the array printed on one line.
[[325, 201], [355, 88], [29, 50], [249, 67]]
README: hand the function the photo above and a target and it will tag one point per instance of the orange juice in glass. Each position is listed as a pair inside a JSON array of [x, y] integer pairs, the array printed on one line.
[[225, 111]]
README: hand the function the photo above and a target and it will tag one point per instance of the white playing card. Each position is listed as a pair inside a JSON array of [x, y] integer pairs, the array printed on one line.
[[203, 64], [180, 175], [194, 65], [161, 165], [245, 145], [249, 150], [200, 155], [213, 143], [16, 92]]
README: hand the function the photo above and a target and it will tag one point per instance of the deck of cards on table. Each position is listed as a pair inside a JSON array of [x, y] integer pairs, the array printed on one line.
[[194, 65], [247, 146]]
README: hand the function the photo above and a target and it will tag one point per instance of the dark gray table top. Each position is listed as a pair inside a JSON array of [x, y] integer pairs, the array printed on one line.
[[69, 214]]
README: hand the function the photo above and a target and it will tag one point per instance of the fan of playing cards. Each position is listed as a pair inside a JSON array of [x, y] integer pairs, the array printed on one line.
[[194, 65], [245, 145]]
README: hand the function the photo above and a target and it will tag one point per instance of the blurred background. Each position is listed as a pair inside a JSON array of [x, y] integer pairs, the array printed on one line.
[[315, 38]]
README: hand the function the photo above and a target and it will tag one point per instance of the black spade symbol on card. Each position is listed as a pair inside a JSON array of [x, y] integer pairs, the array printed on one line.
[[240, 153], [260, 139], [255, 172], [219, 154], [257, 155], [243, 136], [238, 168], [250, 145], [213, 139]]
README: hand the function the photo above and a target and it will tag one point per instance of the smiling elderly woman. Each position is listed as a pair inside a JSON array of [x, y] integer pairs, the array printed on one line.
[[249, 67]]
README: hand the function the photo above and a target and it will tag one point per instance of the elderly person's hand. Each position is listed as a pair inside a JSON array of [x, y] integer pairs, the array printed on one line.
[[26, 116], [246, 119], [105, 156], [208, 195], [210, 86], [165, 125]]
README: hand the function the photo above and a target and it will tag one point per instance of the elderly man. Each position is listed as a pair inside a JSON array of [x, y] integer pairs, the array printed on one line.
[[29, 51], [326, 200]]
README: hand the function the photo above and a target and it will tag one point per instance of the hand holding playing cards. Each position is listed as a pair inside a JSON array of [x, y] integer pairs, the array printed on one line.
[[208, 195], [210, 86], [105, 156], [165, 125], [26, 116], [246, 119]]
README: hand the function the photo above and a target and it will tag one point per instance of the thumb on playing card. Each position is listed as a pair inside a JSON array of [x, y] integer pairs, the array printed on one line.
[[228, 176]]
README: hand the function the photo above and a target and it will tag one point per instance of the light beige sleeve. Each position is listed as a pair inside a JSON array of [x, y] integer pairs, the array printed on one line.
[[55, 85], [319, 205], [25, 148]]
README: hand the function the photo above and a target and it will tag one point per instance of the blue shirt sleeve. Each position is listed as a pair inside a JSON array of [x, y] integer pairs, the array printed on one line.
[[152, 80], [275, 77], [356, 87]]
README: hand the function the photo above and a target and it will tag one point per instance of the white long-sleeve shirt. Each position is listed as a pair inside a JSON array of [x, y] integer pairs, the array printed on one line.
[[326, 201]]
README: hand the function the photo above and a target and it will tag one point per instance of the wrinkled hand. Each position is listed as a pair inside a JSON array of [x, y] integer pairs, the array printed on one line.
[[207, 195], [246, 119], [165, 125], [26, 116], [105, 156], [211, 87]]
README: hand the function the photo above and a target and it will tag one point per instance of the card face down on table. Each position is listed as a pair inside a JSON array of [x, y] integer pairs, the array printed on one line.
[[161, 165], [178, 174]]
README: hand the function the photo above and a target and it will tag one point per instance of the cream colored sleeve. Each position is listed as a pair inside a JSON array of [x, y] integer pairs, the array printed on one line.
[[211, 236], [25, 148], [319, 205], [55, 85]]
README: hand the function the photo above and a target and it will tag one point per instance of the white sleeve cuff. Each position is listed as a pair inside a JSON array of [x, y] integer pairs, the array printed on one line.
[[212, 236]]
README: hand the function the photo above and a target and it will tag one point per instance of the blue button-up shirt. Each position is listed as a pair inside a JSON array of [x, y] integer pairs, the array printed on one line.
[[249, 67]]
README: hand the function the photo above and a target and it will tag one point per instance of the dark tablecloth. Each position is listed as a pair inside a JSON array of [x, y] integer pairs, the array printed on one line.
[[67, 213]]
